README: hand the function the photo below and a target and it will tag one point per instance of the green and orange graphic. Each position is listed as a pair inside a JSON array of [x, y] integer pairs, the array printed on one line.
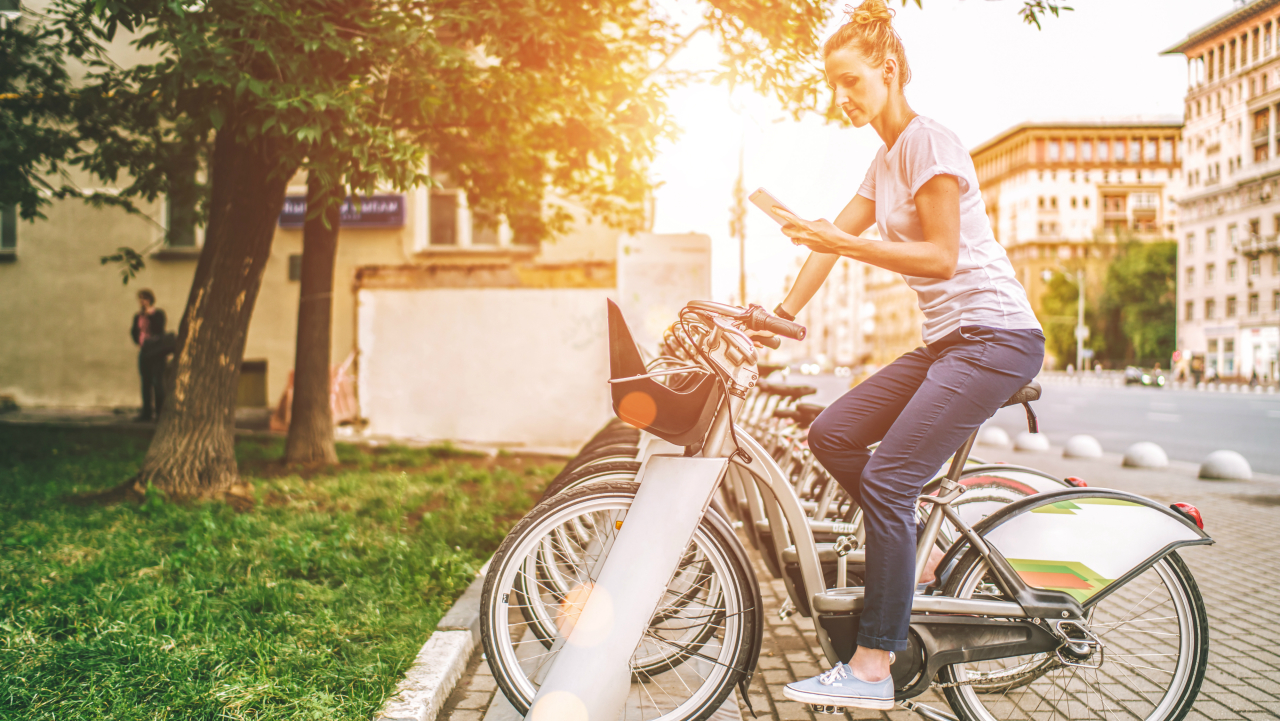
[[1070, 577]]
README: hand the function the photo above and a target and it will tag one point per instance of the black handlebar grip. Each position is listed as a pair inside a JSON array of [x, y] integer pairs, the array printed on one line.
[[785, 328], [760, 319], [768, 341]]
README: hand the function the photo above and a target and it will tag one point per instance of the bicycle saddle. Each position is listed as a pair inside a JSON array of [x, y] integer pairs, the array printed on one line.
[[1026, 394], [807, 412], [768, 369], [794, 391]]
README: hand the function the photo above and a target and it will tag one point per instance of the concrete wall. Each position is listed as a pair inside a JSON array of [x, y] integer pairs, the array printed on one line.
[[516, 366]]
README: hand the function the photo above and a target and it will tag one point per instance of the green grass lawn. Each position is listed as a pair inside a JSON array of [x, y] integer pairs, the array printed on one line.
[[309, 606]]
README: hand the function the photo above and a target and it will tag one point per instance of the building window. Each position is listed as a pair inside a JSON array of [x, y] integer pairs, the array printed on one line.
[[1210, 306], [1209, 269], [1053, 151], [1191, 276], [1086, 150], [1166, 151], [1231, 271], [1255, 268], [1229, 356], [1152, 152], [1253, 304], [1191, 243], [8, 229], [1210, 239], [1069, 151], [1233, 234], [1260, 154], [1073, 201], [1119, 153], [180, 214], [1053, 202], [1086, 202], [1190, 311], [444, 217], [1231, 306], [483, 234], [1275, 302], [1040, 202]]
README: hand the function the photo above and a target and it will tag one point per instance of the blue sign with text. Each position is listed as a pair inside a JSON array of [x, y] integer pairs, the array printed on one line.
[[374, 211]]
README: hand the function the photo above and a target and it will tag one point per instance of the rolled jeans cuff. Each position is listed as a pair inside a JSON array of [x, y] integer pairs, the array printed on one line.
[[882, 644]]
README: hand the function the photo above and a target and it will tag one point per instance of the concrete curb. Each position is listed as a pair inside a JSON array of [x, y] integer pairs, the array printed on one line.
[[440, 663]]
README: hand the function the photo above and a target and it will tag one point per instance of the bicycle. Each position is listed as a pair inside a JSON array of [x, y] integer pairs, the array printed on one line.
[[1016, 620]]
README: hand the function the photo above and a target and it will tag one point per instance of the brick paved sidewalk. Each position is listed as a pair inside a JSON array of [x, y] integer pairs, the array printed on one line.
[[1239, 578]]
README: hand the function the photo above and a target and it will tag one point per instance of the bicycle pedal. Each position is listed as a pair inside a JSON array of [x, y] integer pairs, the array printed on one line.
[[833, 710]]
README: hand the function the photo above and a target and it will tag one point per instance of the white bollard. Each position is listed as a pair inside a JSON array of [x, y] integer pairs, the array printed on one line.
[[1082, 446], [993, 436], [1145, 454], [1226, 466], [1027, 441]]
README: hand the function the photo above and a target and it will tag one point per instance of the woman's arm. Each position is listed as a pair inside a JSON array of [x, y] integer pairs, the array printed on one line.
[[938, 203], [856, 217]]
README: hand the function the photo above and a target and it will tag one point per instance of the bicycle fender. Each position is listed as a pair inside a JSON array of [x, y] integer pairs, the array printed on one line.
[[1086, 542]]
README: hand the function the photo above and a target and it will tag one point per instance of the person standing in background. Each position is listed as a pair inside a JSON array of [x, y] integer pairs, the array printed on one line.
[[147, 331]]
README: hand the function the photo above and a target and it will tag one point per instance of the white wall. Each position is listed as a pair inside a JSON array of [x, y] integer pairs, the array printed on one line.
[[489, 365]]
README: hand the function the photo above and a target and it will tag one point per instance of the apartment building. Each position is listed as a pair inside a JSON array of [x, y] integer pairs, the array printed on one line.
[[1229, 215], [1062, 195]]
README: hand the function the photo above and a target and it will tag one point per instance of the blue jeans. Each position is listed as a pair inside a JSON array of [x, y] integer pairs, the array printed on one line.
[[921, 408]]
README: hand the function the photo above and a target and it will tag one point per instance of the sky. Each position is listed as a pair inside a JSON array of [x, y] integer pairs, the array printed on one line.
[[976, 68]]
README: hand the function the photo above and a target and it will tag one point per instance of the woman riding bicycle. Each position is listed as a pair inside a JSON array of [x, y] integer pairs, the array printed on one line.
[[982, 341]]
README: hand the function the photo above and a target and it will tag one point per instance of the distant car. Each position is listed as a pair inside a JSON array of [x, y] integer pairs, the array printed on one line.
[[809, 367], [1144, 377]]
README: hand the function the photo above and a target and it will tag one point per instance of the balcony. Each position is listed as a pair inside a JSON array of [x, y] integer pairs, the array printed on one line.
[[1260, 136], [1257, 245]]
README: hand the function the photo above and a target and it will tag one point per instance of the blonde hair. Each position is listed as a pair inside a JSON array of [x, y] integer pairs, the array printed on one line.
[[869, 29]]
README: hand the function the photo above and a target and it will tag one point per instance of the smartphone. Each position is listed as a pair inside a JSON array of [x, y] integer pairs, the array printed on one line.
[[765, 201]]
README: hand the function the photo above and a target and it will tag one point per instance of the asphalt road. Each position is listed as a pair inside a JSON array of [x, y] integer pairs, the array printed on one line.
[[1189, 425]]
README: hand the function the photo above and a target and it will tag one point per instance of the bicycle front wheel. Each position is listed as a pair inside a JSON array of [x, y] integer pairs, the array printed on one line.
[[1154, 636], [699, 639]]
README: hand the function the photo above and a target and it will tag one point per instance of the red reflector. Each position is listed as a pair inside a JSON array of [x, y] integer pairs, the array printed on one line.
[[1077, 482], [1191, 512]]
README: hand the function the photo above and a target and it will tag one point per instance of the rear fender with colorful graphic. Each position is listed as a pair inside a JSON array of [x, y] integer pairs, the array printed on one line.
[[989, 488], [1086, 541]]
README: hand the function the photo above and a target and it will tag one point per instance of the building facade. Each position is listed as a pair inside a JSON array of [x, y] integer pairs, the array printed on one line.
[[1061, 196], [1229, 213]]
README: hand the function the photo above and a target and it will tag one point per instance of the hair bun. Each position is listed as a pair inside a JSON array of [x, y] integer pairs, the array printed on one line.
[[870, 11]]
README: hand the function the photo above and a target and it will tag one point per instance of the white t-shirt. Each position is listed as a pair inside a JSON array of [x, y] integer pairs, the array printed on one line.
[[984, 290]]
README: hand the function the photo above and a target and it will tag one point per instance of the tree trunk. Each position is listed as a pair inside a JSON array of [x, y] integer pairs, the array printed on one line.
[[193, 451], [311, 421]]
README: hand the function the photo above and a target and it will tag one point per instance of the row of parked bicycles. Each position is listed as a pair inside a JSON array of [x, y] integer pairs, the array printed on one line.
[[1053, 599]]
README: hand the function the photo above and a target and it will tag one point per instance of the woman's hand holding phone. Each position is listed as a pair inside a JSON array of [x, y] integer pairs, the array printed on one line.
[[820, 236]]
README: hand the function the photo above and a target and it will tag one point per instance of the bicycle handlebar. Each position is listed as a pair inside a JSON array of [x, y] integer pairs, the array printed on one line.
[[754, 318], [758, 318]]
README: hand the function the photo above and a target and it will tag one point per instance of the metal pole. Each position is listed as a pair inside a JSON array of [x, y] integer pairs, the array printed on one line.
[[1080, 320], [742, 236]]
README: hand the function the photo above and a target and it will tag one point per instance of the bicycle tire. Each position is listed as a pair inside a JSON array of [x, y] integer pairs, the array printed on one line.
[[607, 471], [615, 452], [1184, 680], [736, 640]]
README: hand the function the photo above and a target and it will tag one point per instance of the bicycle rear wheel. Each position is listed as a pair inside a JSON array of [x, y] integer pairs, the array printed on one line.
[[699, 640], [1155, 645]]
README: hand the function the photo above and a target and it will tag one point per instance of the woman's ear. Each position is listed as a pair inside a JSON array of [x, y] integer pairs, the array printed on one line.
[[890, 70]]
